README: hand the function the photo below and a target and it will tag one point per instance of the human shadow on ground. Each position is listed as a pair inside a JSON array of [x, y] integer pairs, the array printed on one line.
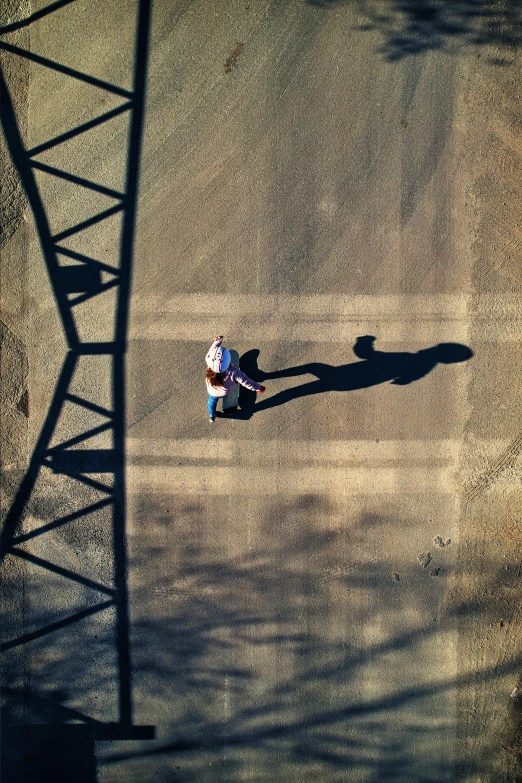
[[376, 367]]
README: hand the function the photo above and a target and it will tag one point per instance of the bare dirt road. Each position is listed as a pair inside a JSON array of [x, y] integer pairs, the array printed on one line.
[[326, 586]]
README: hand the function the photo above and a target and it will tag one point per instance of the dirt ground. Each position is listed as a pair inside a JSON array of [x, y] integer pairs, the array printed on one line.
[[489, 712], [328, 587]]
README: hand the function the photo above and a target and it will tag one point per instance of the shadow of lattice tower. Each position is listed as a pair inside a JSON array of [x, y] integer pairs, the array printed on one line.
[[75, 481]]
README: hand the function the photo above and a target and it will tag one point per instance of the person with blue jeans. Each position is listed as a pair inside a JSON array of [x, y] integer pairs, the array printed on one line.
[[221, 376]]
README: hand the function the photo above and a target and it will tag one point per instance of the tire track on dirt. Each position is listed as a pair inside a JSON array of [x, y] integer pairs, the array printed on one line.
[[505, 461]]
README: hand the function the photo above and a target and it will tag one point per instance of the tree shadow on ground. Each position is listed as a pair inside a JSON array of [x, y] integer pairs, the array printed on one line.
[[263, 662], [268, 659], [411, 27]]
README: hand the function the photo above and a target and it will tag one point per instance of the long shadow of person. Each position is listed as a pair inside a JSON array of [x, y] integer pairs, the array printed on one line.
[[377, 367]]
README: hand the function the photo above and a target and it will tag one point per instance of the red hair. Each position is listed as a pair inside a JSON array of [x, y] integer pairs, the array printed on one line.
[[215, 379]]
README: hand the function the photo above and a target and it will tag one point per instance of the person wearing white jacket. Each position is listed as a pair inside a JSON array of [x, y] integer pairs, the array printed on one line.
[[221, 376]]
